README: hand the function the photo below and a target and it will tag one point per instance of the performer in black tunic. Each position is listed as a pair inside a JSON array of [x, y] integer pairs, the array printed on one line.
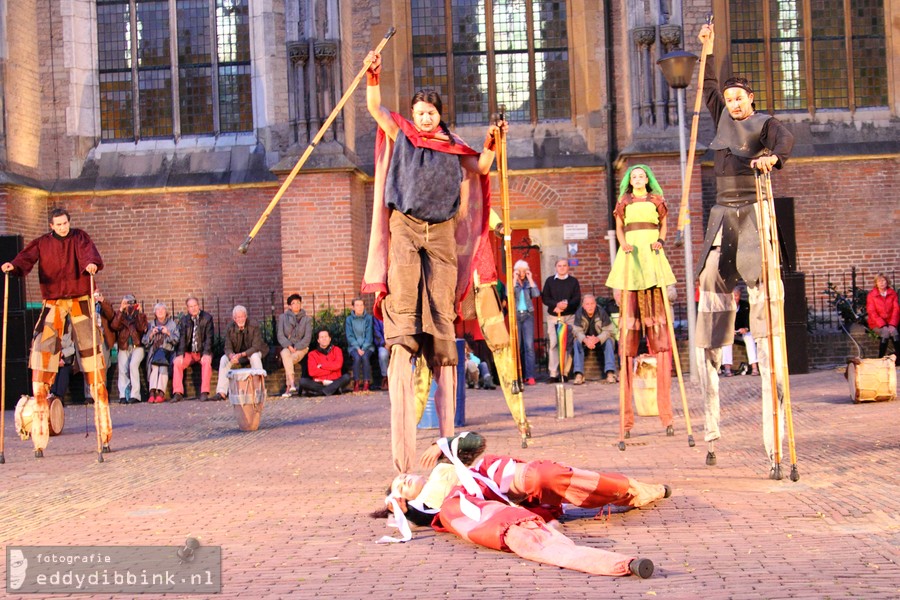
[[745, 140]]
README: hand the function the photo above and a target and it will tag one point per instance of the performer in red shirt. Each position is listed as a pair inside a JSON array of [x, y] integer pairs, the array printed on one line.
[[66, 259]]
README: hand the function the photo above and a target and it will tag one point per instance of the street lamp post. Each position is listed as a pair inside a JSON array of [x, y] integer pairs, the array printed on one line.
[[678, 69]]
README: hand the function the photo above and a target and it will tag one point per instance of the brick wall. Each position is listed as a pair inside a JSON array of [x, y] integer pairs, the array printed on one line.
[[22, 94], [166, 246], [325, 233], [845, 213]]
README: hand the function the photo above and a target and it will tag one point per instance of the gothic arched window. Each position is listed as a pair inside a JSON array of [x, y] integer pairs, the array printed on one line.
[[480, 55], [156, 84]]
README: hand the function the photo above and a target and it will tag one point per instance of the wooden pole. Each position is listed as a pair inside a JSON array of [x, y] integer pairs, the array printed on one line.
[[503, 177], [767, 311], [312, 145], [684, 402], [772, 228], [684, 216], [623, 353], [95, 387], [3, 362]]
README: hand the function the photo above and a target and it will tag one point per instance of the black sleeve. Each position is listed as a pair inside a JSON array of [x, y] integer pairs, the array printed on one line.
[[546, 296], [208, 333], [712, 97], [182, 339], [777, 138]]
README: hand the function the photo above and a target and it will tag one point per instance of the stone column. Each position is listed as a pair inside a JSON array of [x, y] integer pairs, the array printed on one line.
[[644, 37]]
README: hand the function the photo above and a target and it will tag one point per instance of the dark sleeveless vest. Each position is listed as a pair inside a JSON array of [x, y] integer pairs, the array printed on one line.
[[741, 137], [423, 183]]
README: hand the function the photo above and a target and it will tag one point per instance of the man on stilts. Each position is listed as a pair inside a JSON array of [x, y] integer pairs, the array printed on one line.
[[745, 141], [429, 238], [67, 260]]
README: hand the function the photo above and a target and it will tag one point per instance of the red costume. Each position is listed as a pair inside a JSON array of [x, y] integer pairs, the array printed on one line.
[[487, 517]]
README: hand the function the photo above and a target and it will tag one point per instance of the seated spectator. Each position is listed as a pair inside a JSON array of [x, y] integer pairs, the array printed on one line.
[[742, 330], [66, 362], [384, 355], [594, 332], [195, 341], [130, 325], [294, 335], [244, 347], [478, 373], [360, 331], [160, 340], [884, 314], [324, 365]]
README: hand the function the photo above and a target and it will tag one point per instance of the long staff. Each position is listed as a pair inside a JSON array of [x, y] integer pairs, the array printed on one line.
[[4, 365], [684, 216], [674, 344], [623, 354], [765, 251], [95, 387], [503, 176], [776, 246], [312, 145]]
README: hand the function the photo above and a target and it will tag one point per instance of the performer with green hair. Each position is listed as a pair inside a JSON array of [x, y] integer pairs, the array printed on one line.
[[641, 231]]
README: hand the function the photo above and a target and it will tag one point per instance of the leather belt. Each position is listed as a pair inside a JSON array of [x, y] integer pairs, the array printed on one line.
[[640, 225]]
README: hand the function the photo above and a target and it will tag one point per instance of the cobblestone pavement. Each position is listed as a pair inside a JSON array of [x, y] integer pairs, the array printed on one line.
[[288, 504]]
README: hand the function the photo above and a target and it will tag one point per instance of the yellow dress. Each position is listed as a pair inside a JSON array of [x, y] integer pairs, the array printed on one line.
[[642, 264]]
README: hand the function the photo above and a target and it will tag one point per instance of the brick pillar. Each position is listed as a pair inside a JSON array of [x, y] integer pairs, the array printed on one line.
[[324, 233]]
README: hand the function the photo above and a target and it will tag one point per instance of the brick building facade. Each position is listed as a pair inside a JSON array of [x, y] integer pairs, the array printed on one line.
[[168, 212]]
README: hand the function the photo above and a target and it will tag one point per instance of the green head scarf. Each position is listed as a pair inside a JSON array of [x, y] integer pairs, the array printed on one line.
[[653, 186]]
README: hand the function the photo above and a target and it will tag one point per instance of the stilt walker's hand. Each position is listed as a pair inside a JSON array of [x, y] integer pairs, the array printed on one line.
[[494, 131], [707, 36], [91, 268], [373, 74], [764, 163]]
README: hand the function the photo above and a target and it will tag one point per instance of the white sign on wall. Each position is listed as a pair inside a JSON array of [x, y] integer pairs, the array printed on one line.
[[575, 231]]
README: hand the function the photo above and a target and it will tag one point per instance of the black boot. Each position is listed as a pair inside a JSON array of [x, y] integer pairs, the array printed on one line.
[[882, 347], [642, 567]]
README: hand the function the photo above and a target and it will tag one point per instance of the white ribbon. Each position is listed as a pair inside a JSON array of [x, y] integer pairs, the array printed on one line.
[[400, 523]]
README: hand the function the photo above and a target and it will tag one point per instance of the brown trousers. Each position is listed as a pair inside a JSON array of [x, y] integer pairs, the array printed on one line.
[[44, 362]]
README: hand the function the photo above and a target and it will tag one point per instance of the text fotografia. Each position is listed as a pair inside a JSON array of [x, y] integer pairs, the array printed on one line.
[[70, 559], [114, 569]]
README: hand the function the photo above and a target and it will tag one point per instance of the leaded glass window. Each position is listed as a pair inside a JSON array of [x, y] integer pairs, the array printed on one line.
[[811, 54], [173, 67], [480, 55]]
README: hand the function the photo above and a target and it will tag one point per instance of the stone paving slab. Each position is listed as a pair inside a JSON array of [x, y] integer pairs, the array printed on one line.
[[289, 503]]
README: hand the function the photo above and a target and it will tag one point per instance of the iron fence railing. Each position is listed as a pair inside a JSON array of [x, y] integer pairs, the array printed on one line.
[[839, 298]]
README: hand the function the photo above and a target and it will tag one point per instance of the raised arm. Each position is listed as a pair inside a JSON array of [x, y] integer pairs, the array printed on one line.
[[482, 165], [381, 115]]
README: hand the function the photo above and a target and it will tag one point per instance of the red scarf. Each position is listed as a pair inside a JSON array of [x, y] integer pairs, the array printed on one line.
[[472, 230]]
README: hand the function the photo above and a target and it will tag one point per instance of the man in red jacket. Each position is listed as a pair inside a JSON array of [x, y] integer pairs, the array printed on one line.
[[324, 366], [66, 259]]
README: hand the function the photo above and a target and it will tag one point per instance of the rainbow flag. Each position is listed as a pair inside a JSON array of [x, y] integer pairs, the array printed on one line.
[[562, 336]]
